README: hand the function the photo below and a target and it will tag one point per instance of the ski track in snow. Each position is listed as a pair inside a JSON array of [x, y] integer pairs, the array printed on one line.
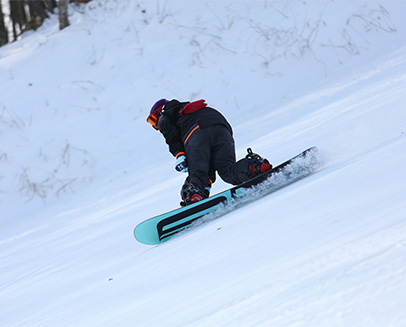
[[328, 250]]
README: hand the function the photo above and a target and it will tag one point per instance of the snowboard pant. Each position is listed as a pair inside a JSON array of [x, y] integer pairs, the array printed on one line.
[[212, 149]]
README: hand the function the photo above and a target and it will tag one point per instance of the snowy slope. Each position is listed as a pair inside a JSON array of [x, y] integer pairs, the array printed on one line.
[[80, 167]]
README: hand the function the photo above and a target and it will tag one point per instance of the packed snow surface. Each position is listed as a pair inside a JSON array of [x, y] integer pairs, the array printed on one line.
[[80, 167]]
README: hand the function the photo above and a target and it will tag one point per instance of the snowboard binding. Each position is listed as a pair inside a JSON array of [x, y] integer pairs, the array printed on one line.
[[258, 165], [191, 194]]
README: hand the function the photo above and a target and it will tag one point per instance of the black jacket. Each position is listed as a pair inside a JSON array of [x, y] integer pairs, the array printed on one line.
[[176, 128]]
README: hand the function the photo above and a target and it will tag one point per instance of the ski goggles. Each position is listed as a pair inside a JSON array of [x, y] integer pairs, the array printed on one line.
[[156, 112], [153, 120]]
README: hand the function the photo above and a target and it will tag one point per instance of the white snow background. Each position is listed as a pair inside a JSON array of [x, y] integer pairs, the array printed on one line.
[[80, 167]]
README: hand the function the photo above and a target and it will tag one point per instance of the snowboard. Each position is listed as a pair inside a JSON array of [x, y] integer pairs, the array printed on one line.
[[161, 228]]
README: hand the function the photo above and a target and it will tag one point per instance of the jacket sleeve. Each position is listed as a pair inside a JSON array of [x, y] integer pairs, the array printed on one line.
[[171, 134]]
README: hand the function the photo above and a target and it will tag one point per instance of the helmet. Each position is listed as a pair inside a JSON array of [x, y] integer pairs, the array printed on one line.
[[155, 112]]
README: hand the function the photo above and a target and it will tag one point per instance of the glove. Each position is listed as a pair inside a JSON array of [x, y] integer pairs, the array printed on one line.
[[181, 164]]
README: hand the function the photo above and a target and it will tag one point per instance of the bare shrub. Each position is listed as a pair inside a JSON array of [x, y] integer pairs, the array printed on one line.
[[43, 187], [44, 183], [371, 19], [363, 21], [10, 119], [299, 39]]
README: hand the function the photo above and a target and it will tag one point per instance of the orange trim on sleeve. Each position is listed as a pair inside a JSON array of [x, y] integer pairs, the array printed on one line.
[[190, 134], [179, 154]]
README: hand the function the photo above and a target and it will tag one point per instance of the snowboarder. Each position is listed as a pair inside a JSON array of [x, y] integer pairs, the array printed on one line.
[[201, 140]]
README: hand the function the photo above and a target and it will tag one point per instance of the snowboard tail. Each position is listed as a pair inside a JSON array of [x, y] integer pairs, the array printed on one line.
[[162, 227]]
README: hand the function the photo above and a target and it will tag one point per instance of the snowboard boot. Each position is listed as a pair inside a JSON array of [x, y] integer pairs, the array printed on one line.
[[191, 194], [206, 191], [258, 165]]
